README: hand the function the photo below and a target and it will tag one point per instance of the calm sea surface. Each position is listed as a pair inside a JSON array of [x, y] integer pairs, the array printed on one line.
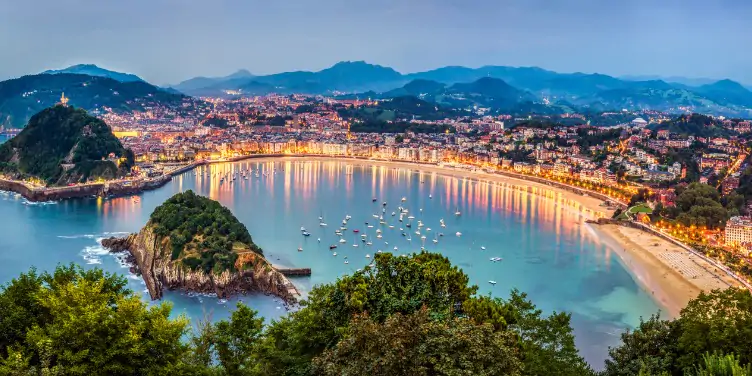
[[547, 251]]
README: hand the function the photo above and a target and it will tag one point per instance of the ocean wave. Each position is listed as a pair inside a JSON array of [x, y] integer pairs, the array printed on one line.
[[85, 236], [93, 254]]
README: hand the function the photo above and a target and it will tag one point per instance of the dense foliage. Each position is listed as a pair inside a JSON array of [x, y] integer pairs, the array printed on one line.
[[76, 322], [202, 232], [699, 205], [64, 135], [401, 316], [694, 125], [716, 322]]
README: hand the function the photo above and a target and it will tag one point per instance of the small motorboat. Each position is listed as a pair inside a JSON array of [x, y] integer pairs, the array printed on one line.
[[374, 199], [482, 248], [356, 231], [347, 262], [458, 233], [306, 233], [343, 241], [492, 282], [368, 256], [319, 240], [300, 249], [333, 246], [334, 254]]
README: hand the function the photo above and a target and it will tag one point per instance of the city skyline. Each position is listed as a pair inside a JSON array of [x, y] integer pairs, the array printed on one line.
[[166, 43]]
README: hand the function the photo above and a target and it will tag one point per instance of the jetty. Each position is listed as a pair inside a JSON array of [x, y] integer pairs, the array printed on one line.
[[295, 272]]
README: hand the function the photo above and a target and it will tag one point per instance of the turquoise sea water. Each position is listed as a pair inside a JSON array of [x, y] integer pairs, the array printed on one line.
[[547, 250]]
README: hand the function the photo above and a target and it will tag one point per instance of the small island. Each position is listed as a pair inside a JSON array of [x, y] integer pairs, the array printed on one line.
[[63, 152], [192, 243]]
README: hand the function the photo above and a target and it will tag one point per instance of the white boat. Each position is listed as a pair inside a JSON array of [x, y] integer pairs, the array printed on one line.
[[393, 214], [404, 199], [319, 239], [369, 243], [378, 231], [395, 247], [410, 217], [368, 256], [379, 251], [428, 229], [300, 249], [302, 228], [423, 237], [495, 259], [347, 262], [390, 226], [379, 236], [375, 216], [347, 217], [322, 224], [492, 282], [355, 245], [321, 218], [457, 213], [458, 233], [370, 226], [482, 248], [417, 232], [430, 196], [435, 241], [343, 241]]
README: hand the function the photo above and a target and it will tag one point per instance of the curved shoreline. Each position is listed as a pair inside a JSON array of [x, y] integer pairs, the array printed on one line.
[[647, 274]]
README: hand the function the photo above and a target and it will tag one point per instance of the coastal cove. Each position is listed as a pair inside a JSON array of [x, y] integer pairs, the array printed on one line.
[[547, 250]]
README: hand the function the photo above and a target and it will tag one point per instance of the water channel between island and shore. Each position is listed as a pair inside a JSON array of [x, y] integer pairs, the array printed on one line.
[[546, 249]]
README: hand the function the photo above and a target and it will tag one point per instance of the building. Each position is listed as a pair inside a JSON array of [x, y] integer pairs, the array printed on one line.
[[739, 231]]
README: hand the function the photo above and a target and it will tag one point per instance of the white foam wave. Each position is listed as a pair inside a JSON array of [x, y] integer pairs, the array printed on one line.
[[93, 254]]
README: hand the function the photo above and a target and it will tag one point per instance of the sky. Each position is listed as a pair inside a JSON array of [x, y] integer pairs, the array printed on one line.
[[167, 41]]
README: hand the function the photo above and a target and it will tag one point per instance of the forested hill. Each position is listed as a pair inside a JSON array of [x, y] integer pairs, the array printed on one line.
[[20, 98], [203, 233], [60, 137]]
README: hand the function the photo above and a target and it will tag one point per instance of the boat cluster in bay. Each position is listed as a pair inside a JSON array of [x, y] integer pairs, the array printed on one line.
[[399, 219]]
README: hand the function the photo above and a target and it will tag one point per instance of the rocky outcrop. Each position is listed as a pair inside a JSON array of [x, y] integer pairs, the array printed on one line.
[[151, 257]]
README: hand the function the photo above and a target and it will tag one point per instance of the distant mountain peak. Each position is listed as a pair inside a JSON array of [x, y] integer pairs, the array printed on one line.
[[240, 73], [726, 84], [94, 70]]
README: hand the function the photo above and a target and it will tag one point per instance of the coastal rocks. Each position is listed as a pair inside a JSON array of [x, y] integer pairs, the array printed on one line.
[[152, 259]]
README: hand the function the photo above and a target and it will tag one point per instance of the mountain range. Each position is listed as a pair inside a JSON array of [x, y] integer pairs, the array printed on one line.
[[513, 84], [513, 89], [93, 70]]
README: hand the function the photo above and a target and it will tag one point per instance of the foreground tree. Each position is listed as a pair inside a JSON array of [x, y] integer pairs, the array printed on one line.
[[715, 322], [77, 322], [417, 345]]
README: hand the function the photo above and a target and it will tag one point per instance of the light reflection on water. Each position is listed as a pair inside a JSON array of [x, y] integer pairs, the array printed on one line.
[[547, 251]]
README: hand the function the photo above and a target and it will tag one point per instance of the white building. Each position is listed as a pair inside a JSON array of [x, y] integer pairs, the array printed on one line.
[[739, 231]]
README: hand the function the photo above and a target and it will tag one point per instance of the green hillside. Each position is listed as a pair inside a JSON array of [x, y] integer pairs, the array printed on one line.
[[60, 137], [23, 97]]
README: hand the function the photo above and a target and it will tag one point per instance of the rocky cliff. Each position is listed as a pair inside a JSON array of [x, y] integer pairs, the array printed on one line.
[[152, 259]]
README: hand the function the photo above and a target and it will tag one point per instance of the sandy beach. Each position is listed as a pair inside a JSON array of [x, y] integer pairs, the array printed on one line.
[[669, 273]]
